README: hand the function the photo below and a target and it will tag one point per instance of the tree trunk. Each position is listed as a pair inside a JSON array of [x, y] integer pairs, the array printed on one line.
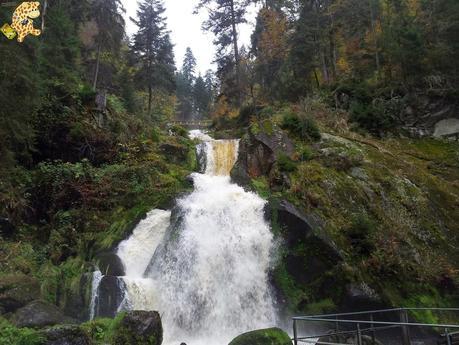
[[236, 55], [373, 29], [96, 72], [150, 99], [43, 15]]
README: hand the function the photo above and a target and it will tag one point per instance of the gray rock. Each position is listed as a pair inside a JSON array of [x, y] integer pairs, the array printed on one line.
[[446, 127], [16, 291], [139, 328], [360, 296], [39, 314], [359, 173], [66, 335], [258, 153]]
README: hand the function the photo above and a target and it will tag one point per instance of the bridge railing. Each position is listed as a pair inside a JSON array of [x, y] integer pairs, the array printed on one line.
[[361, 328], [191, 124]]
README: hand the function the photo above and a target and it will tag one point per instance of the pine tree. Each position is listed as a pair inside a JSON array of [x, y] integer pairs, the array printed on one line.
[[110, 30], [189, 67], [153, 48], [224, 17]]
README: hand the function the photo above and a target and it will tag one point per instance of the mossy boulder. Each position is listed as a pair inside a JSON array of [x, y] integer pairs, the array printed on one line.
[[66, 335], [16, 291], [38, 314], [269, 336], [139, 328]]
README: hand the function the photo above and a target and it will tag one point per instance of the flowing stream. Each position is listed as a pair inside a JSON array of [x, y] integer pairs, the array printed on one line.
[[204, 266]]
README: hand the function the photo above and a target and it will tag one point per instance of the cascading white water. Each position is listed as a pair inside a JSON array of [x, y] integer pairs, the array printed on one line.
[[209, 276], [96, 278]]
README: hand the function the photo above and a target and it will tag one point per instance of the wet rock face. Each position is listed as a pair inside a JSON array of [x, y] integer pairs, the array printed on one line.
[[139, 328], [110, 264], [111, 294], [66, 335], [38, 314], [258, 154], [16, 291], [270, 336], [318, 254]]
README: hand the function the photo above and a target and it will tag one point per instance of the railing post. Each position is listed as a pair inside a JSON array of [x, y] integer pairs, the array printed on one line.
[[373, 336], [405, 329], [359, 335], [295, 333], [448, 337]]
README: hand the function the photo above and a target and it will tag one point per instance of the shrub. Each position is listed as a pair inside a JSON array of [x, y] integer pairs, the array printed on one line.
[[377, 117], [306, 154], [10, 335], [359, 235], [303, 127], [286, 164]]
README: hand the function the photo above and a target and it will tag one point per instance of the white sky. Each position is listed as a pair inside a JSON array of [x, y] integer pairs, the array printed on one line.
[[186, 30]]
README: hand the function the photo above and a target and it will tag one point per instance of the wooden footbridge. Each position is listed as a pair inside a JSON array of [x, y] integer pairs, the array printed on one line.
[[192, 124]]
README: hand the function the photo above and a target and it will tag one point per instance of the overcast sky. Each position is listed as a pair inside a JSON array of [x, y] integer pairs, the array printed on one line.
[[186, 30]]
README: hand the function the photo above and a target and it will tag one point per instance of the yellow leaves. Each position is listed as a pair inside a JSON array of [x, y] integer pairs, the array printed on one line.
[[273, 41], [224, 109]]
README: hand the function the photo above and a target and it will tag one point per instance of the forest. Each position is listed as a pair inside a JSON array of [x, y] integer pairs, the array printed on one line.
[[363, 92]]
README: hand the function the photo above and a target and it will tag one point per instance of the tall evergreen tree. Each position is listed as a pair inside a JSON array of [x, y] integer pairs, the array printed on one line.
[[189, 66], [110, 30], [153, 47], [224, 17]]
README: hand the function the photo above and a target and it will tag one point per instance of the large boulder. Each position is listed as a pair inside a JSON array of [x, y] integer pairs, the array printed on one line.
[[110, 264], [16, 291], [111, 295], [38, 314], [258, 153], [66, 335], [270, 336], [139, 328]]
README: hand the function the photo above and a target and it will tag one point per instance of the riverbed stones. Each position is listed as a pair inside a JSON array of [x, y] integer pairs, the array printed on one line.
[[39, 314], [139, 328], [269, 336], [16, 291]]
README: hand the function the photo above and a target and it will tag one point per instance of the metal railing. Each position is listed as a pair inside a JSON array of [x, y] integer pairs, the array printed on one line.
[[356, 325]]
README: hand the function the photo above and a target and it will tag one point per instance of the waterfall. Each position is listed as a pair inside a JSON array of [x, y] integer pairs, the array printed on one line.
[[205, 269], [96, 279]]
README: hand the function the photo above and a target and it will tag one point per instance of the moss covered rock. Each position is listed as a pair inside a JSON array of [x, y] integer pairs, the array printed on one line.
[[66, 335], [39, 314], [270, 336], [139, 328], [16, 291]]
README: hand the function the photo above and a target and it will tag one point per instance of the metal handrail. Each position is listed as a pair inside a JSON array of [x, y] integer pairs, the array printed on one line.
[[403, 324]]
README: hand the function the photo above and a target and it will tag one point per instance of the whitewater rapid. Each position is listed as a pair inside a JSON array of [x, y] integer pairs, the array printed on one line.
[[204, 266]]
